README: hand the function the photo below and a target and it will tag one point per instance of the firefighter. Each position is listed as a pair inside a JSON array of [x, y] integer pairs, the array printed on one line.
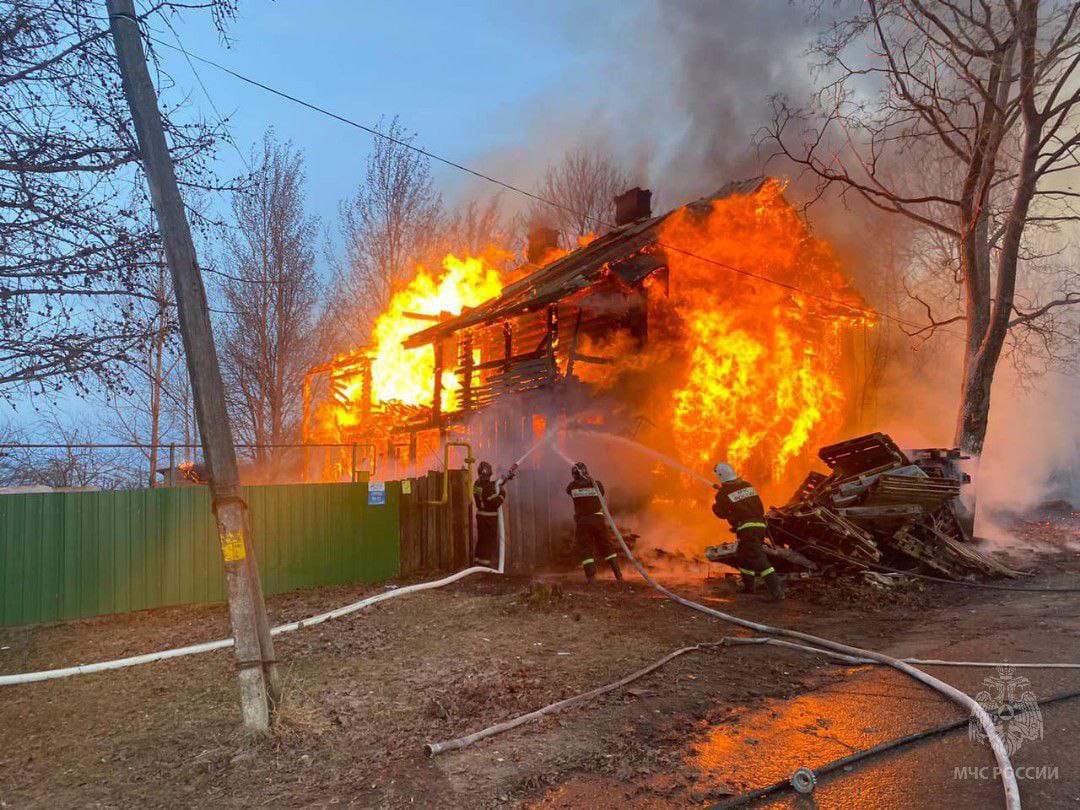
[[488, 497], [739, 504], [590, 527]]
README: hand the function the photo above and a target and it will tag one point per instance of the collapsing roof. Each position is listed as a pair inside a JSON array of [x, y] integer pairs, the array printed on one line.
[[630, 252]]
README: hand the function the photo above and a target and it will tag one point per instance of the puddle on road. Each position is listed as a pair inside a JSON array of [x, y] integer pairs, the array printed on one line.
[[768, 743]]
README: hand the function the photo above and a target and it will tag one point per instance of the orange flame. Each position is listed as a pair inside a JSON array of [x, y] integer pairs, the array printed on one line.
[[734, 367], [746, 371], [400, 377]]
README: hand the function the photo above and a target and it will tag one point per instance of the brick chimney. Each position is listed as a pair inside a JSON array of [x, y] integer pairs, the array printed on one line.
[[542, 241], [632, 205]]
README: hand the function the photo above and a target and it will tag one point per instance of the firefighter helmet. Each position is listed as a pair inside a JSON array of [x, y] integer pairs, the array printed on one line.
[[484, 470], [579, 470], [725, 472]]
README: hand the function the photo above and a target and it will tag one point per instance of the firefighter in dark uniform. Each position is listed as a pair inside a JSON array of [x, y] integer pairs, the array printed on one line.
[[739, 504], [590, 527], [488, 497]]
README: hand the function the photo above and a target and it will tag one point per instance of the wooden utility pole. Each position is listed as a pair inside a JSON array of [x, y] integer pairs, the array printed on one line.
[[247, 612]]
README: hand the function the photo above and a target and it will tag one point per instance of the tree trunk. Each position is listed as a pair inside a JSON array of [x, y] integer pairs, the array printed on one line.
[[973, 417]]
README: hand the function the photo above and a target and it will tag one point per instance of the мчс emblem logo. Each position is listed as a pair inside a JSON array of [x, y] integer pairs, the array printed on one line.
[[1012, 706]]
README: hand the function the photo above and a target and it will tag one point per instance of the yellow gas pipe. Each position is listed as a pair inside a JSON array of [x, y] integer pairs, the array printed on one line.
[[469, 461]]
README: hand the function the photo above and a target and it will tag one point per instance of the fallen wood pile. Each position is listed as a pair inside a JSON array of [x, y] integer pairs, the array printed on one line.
[[881, 506]]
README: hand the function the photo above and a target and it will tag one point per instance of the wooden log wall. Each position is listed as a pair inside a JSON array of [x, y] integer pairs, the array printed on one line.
[[538, 514]]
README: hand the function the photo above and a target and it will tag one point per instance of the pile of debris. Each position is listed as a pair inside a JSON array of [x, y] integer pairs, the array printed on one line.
[[881, 506]]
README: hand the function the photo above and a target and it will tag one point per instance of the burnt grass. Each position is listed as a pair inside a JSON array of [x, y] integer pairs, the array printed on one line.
[[363, 694]]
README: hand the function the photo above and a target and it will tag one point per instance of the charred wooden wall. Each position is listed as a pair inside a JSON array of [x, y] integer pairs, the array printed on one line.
[[538, 515], [435, 537]]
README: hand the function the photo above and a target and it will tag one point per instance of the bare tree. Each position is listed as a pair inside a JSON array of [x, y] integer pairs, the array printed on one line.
[[964, 120], [70, 466], [147, 406], [76, 235], [474, 228], [271, 293], [389, 226], [584, 184]]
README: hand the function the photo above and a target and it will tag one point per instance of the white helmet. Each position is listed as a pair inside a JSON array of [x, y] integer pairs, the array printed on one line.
[[725, 472]]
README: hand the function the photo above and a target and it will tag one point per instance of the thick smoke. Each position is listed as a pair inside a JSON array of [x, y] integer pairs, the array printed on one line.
[[680, 97], [676, 90], [1032, 450]]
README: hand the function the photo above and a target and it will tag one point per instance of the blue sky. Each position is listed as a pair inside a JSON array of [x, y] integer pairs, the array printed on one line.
[[468, 77], [674, 89]]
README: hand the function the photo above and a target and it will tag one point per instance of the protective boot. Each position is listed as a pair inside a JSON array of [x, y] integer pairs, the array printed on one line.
[[590, 571], [615, 569], [746, 583], [775, 585]]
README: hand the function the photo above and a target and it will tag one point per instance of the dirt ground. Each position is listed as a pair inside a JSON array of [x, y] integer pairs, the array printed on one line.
[[364, 693]]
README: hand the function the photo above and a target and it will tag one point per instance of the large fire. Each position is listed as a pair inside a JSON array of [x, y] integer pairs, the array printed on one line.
[[400, 375], [734, 367], [764, 379], [745, 370], [400, 378]]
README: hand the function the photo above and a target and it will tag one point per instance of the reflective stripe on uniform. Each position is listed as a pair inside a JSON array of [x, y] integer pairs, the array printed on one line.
[[752, 524], [747, 571], [586, 492], [487, 514], [589, 561], [767, 571], [742, 494], [612, 556]]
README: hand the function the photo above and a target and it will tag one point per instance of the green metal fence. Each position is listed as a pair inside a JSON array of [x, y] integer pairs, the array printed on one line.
[[67, 555]]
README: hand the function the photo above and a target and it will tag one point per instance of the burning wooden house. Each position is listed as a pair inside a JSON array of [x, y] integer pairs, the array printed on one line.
[[722, 328]]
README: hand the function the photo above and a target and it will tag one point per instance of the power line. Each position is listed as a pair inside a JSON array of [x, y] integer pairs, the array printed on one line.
[[517, 189], [206, 92], [532, 195]]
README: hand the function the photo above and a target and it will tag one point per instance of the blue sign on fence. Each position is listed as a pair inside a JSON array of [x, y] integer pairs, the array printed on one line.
[[376, 494]]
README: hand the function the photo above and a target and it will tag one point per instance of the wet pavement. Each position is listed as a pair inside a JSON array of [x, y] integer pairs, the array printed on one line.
[[871, 705]]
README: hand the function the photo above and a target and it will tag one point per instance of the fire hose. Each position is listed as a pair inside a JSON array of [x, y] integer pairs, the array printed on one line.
[[1001, 755], [221, 644], [224, 643], [805, 779], [435, 748], [964, 583], [1008, 778]]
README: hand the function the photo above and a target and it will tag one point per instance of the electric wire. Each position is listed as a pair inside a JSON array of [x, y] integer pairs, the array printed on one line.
[[599, 221], [375, 132]]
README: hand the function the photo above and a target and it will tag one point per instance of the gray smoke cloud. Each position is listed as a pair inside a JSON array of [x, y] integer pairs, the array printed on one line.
[[679, 93], [676, 89]]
